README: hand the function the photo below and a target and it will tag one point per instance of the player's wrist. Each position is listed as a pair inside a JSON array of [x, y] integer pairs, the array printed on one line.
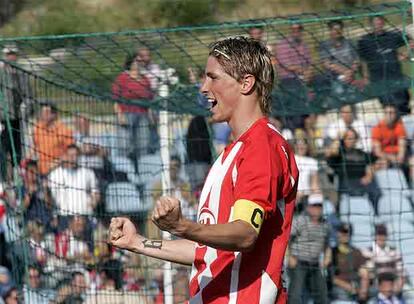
[[182, 228]]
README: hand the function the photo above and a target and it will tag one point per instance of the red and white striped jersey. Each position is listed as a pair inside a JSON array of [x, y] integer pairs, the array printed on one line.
[[259, 167]]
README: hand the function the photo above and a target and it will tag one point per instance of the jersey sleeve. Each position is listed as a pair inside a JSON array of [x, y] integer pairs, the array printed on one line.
[[254, 176]]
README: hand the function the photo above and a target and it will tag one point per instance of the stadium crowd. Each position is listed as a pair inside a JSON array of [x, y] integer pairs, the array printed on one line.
[[352, 237]]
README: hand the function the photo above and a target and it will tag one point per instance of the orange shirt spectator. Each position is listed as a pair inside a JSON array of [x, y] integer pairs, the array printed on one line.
[[51, 138], [388, 137]]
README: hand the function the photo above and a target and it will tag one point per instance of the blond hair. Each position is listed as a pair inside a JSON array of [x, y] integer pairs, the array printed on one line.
[[240, 56]]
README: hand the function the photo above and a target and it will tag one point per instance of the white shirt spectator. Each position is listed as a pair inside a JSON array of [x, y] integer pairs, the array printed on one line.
[[153, 73], [307, 166], [72, 189], [337, 129]]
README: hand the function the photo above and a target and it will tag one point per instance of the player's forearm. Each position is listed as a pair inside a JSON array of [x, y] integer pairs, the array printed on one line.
[[233, 236], [176, 251]]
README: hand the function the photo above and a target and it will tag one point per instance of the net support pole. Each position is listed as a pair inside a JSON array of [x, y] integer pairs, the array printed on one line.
[[166, 183]]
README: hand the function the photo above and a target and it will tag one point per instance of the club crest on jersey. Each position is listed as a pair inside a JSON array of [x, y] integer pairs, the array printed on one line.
[[206, 217]]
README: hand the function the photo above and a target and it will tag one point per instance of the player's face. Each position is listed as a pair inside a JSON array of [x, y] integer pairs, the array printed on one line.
[[222, 91]]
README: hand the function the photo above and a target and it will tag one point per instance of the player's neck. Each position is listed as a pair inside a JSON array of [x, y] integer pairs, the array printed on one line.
[[243, 119]]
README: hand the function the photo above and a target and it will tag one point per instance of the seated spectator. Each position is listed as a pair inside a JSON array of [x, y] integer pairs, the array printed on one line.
[[72, 290], [350, 282], [40, 244], [308, 173], [348, 119], [71, 245], [257, 33], [110, 274], [134, 274], [294, 66], [37, 200], [383, 259], [51, 138], [313, 133], [73, 188], [309, 241], [386, 294], [350, 164], [379, 51], [34, 291], [11, 296], [389, 137], [131, 84], [339, 59]]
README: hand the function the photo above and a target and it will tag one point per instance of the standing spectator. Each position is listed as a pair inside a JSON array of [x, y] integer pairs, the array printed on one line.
[[73, 188], [17, 94], [382, 259], [132, 84], [379, 51], [350, 280], [150, 69], [348, 119], [51, 138], [339, 59], [198, 151], [294, 66], [153, 72], [308, 173], [309, 241], [386, 294], [389, 137]]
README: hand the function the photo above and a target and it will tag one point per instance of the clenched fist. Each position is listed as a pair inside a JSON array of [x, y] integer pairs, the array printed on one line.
[[167, 214], [123, 234]]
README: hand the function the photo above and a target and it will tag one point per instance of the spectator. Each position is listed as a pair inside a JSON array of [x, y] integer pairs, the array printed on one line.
[[153, 72], [111, 275], [339, 59], [132, 84], [313, 133], [150, 69], [309, 241], [72, 290], [386, 294], [40, 244], [198, 151], [93, 155], [350, 281], [379, 50], [294, 59], [73, 188], [51, 138], [389, 137], [37, 200], [11, 296], [34, 291], [350, 164], [257, 33], [17, 93], [71, 245], [383, 259], [294, 66], [308, 173], [134, 274], [348, 119]]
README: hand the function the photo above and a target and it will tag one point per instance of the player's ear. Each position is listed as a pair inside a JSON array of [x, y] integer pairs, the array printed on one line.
[[247, 84]]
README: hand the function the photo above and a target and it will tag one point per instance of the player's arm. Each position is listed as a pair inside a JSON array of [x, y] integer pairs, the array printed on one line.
[[240, 234], [123, 234]]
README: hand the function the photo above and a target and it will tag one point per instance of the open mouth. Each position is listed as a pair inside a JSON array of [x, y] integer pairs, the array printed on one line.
[[213, 102]]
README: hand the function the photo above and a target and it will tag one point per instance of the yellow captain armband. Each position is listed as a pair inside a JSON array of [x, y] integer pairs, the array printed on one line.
[[249, 212]]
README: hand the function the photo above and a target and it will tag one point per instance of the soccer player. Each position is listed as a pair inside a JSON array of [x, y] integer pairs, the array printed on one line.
[[245, 210]]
